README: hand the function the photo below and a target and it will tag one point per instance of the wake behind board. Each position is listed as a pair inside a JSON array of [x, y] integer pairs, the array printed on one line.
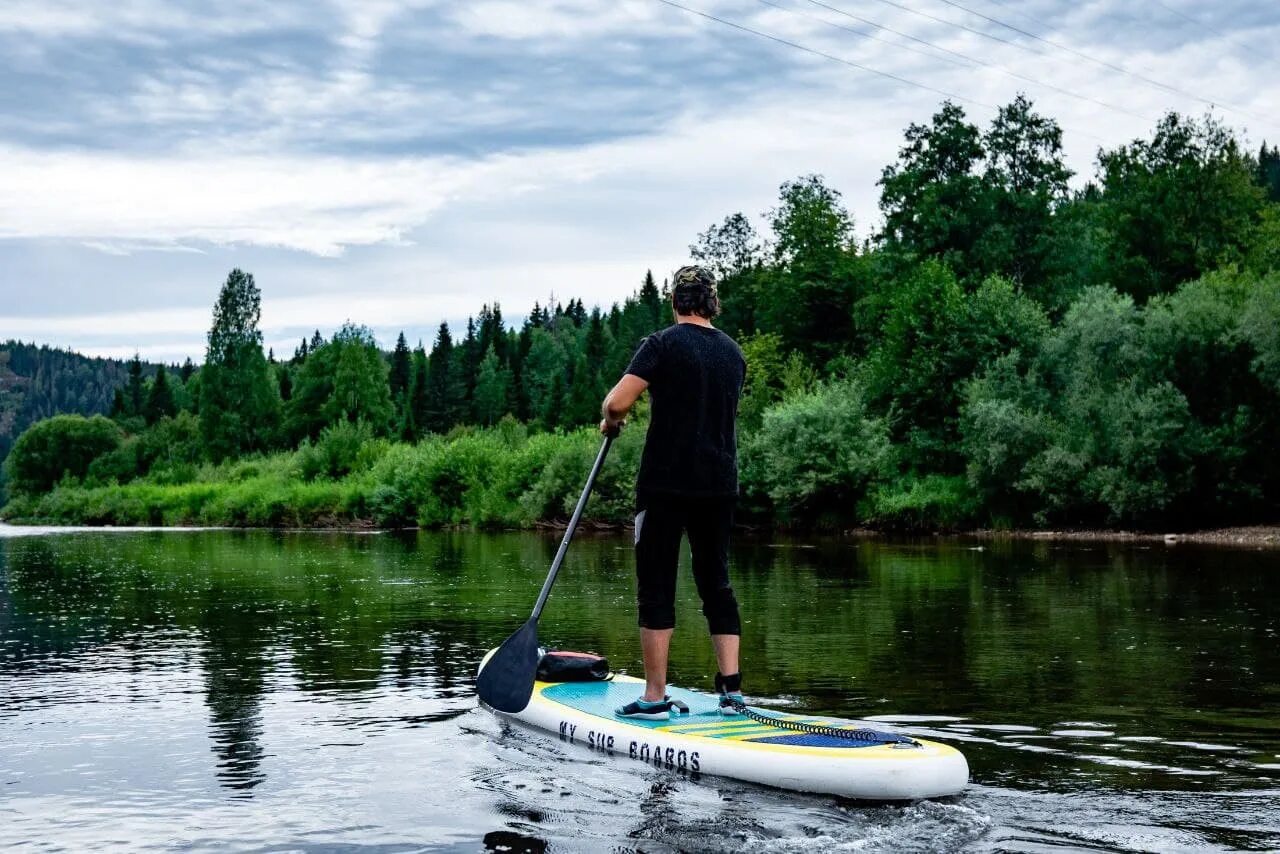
[[706, 742]]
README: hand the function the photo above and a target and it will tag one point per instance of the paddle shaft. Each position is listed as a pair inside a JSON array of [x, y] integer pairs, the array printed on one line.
[[568, 532]]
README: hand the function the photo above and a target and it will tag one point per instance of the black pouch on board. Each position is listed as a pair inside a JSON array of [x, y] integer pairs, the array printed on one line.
[[558, 665]]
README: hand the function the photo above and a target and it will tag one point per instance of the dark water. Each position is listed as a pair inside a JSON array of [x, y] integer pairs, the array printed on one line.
[[298, 691]]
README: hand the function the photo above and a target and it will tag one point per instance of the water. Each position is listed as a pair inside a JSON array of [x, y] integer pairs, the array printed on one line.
[[312, 691]]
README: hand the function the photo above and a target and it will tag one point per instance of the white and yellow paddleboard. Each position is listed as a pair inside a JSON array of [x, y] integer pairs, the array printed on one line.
[[706, 742]]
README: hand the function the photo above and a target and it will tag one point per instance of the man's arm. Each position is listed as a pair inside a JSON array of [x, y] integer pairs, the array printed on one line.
[[618, 402]]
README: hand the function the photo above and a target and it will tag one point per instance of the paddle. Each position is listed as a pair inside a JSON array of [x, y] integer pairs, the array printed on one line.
[[506, 681]]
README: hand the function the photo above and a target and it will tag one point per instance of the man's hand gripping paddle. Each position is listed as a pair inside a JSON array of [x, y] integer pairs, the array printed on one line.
[[506, 680]]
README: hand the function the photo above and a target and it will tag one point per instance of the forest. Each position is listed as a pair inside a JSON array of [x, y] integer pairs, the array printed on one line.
[[38, 382], [1001, 350]]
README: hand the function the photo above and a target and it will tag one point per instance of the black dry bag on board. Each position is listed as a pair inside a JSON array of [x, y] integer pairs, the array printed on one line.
[[557, 665]]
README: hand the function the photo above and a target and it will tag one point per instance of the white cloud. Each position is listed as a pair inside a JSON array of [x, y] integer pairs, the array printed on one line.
[[325, 204], [125, 324], [142, 20], [843, 126], [366, 19], [566, 19], [124, 248], [314, 204]]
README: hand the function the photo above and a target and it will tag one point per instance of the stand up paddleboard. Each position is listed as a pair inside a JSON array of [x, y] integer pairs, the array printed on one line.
[[774, 748], [874, 766]]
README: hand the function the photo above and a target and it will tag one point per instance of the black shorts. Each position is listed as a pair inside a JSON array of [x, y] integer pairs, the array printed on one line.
[[661, 521]]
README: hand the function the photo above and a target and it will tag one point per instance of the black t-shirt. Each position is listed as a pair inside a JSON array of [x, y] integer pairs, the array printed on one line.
[[695, 376]]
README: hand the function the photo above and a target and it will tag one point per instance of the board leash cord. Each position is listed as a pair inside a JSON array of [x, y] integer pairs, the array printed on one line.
[[865, 735]]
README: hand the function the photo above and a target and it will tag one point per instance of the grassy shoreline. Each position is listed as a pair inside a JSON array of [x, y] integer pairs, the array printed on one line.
[[497, 478], [504, 478]]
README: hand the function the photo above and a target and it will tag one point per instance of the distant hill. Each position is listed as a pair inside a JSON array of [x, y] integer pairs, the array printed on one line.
[[37, 381]]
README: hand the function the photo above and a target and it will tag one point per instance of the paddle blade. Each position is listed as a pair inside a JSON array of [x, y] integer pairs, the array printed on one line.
[[505, 682]]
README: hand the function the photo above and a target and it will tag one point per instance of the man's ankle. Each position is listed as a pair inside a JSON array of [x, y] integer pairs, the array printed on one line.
[[731, 684]]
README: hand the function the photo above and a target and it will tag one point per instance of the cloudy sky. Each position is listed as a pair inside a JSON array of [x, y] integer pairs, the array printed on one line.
[[400, 163]]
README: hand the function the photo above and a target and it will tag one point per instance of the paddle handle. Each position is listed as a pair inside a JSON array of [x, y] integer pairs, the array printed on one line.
[[573, 526]]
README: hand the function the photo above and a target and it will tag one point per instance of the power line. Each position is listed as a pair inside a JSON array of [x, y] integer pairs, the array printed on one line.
[[965, 27], [824, 55], [986, 35], [879, 26], [1101, 62], [980, 62], [852, 64], [1184, 16], [1021, 14], [1049, 26], [866, 35]]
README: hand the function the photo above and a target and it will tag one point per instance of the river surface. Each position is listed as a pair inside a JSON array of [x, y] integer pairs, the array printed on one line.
[[313, 692]]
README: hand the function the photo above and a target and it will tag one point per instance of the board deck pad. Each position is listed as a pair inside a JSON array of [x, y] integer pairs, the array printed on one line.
[[704, 720]]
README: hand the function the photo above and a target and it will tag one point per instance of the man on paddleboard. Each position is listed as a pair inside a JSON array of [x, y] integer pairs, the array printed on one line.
[[687, 484]]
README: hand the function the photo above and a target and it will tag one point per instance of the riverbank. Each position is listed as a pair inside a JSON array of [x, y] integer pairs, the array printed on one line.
[[1249, 537], [1253, 536]]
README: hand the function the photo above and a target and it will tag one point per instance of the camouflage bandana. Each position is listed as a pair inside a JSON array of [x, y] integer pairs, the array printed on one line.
[[693, 275]]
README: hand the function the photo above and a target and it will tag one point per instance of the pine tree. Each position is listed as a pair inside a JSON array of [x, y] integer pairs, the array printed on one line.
[[417, 416], [1269, 171], [492, 389], [595, 345], [439, 406], [651, 300], [398, 377], [553, 407], [489, 332], [118, 406], [543, 368], [317, 341], [583, 404], [160, 399], [501, 341], [463, 379], [188, 368], [135, 397], [286, 385], [239, 403], [519, 388]]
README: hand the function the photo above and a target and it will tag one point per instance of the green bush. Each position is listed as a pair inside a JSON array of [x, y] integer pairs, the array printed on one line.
[[343, 447], [171, 442], [1260, 327], [57, 448], [1004, 422], [446, 477], [117, 466], [1090, 433], [931, 502], [816, 454], [557, 476], [1128, 471], [173, 474]]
